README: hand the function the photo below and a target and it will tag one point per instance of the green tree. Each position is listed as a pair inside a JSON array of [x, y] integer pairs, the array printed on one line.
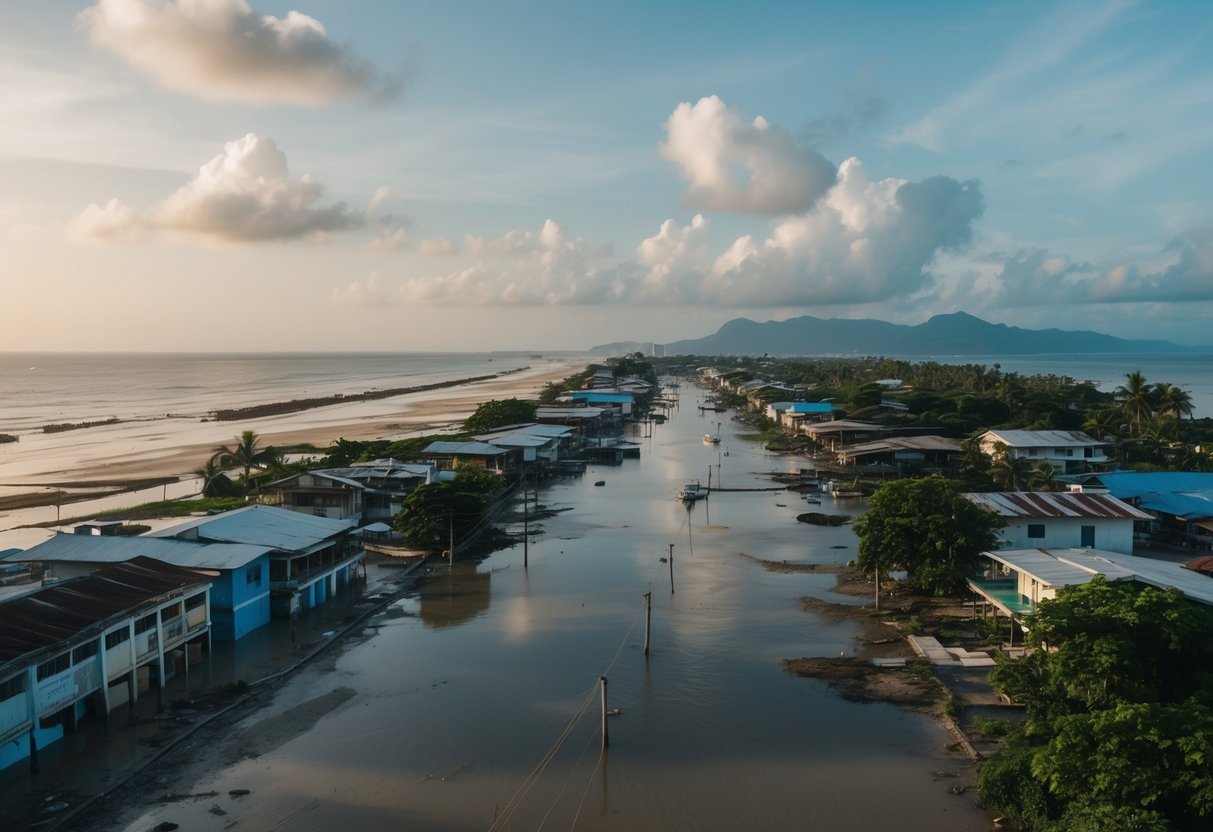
[[215, 481], [495, 413], [926, 528], [433, 513], [1173, 401], [1136, 399], [1044, 478], [246, 453], [1008, 470]]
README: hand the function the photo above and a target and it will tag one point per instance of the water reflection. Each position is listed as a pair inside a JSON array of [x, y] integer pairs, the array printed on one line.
[[452, 597]]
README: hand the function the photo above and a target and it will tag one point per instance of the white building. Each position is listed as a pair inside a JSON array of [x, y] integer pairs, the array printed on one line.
[[1066, 450], [1063, 520]]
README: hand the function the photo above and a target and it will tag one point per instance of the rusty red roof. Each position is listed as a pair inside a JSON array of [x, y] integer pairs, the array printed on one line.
[[62, 612], [1056, 504]]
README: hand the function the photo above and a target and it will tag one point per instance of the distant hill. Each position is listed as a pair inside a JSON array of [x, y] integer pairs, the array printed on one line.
[[955, 334]]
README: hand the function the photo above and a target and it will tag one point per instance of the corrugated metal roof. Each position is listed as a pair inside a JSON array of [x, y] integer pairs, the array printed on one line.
[[1129, 484], [604, 398], [470, 448], [903, 443], [1056, 504], [838, 425], [1064, 567], [62, 612], [1043, 438], [278, 528], [88, 548]]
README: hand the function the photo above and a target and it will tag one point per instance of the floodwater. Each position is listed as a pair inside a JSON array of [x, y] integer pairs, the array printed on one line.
[[476, 704]]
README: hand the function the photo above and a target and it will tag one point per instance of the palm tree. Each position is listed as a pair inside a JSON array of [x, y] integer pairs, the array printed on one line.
[[1104, 423], [1044, 478], [246, 454], [1174, 401], [1008, 470], [1135, 397], [215, 481]]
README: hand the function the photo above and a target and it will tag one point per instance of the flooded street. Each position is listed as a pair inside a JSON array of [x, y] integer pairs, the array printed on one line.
[[474, 704]]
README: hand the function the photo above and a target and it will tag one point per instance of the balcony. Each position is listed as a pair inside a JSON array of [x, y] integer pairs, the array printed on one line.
[[1004, 594]]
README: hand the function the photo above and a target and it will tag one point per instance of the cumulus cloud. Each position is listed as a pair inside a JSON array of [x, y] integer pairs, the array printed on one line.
[[438, 247], [223, 50], [363, 293], [112, 222], [244, 194], [866, 241], [674, 260], [388, 241], [733, 165]]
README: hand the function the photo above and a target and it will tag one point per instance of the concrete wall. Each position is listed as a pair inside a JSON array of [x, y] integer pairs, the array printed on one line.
[[1111, 535]]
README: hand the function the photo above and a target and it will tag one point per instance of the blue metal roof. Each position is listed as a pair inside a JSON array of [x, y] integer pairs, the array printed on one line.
[[603, 398], [469, 448], [281, 529], [1125, 484], [88, 548]]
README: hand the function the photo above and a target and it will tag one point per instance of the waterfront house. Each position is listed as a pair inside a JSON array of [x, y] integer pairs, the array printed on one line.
[[310, 558], [620, 402], [1181, 502], [449, 455], [1067, 450], [792, 414], [365, 491], [585, 421], [896, 452], [1063, 520], [1018, 579], [537, 452], [93, 643], [840, 432], [239, 600]]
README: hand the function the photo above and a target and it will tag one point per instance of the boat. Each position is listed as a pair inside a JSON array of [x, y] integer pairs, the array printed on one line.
[[846, 495], [710, 439], [812, 499], [691, 492]]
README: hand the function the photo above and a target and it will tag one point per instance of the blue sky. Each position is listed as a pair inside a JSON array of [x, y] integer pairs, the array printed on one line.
[[223, 174]]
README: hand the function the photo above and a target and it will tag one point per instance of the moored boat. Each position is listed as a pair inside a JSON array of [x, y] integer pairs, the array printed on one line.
[[691, 492]]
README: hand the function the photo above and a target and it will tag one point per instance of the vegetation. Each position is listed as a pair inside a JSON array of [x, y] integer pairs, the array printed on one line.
[[434, 513], [246, 453], [926, 528], [346, 452], [495, 413], [7, 437], [1119, 703], [163, 508]]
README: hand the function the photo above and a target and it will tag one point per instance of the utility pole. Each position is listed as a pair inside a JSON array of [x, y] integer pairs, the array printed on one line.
[[878, 585], [648, 619], [450, 552], [606, 736], [526, 523], [671, 568]]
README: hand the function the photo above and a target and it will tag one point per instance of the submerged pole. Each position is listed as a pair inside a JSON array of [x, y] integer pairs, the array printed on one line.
[[526, 524], [606, 736], [671, 568], [648, 619], [450, 552]]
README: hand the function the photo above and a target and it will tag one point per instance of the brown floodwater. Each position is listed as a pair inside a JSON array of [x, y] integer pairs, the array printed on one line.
[[474, 703]]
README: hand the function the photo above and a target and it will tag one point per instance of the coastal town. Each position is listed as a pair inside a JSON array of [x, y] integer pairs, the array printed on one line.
[[109, 624]]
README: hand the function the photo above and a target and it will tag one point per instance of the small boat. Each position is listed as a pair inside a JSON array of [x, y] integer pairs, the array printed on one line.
[[710, 439], [812, 499], [691, 492], [846, 495]]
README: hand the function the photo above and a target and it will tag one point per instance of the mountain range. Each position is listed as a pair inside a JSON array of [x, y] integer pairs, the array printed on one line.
[[958, 333]]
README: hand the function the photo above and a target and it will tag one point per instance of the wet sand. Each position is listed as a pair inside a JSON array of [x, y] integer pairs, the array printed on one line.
[[129, 453]]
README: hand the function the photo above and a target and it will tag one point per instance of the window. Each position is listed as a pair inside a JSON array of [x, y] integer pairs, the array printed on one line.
[[117, 637], [148, 622], [84, 651], [252, 575], [1036, 530], [11, 687], [56, 665], [1088, 452], [195, 601]]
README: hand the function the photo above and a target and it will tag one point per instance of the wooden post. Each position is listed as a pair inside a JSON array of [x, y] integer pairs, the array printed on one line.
[[450, 552], [648, 619], [526, 524], [878, 585], [671, 568], [606, 736]]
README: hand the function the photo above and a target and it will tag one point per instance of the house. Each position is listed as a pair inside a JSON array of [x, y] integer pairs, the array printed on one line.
[[448, 456], [585, 421], [1064, 520], [622, 402], [310, 558], [899, 451], [817, 411], [1067, 450], [1182, 502], [1019, 579], [239, 599], [840, 432], [91, 644], [366, 491], [536, 451]]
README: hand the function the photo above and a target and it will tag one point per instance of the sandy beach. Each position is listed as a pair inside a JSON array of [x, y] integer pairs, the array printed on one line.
[[170, 448]]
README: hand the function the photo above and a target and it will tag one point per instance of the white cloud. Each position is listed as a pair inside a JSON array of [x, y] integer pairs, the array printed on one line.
[[112, 222], [388, 241], [244, 194], [735, 166], [675, 260], [223, 50], [368, 293], [438, 247], [377, 199], [865, 242]]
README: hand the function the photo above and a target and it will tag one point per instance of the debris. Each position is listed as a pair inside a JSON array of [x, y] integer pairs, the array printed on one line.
[[600, 482], [215, 810], [239, 792]]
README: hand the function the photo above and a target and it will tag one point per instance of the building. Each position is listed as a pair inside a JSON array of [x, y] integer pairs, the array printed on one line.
[[619, 401], [239, 600], [840, 432], [448, 456], [896, 452], [1182, 502], [310, 558], [365, 492], [1063, 520], [92, 644], [1069, 451], [790, 414], [1019, 579]]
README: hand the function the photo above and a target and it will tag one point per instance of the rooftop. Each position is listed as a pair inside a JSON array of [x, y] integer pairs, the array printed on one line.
[[258, 525], [87, 548], [1056, 504]]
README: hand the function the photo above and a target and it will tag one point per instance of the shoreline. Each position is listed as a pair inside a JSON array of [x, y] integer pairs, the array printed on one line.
[[127, 456]]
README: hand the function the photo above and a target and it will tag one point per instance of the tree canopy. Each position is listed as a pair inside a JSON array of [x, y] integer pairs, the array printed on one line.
[[926, 528], [1118, 697], [435, 512], [495, 413]]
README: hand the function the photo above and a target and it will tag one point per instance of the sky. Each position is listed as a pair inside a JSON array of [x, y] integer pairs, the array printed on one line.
[[328, 175]]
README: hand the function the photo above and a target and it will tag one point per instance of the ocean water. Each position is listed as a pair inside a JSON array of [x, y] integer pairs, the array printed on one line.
[[42, 388]]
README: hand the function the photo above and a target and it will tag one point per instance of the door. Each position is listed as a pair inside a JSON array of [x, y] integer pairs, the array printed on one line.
[[1088, 537]]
